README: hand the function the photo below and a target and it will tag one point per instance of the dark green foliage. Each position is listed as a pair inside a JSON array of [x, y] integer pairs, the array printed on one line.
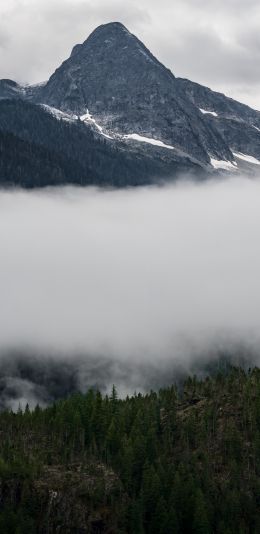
[[179, 465]]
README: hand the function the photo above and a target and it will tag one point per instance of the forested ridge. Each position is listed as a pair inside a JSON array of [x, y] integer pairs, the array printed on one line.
[[172, 461], [37, 150]]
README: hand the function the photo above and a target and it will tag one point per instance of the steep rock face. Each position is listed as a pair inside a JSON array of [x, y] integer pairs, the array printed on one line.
[[110, 66], [237, 123], [211, 100], [114, 76]]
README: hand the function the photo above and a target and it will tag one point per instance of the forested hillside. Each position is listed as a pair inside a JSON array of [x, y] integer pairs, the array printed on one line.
[[166, 462], [26, 164], [38, 150]]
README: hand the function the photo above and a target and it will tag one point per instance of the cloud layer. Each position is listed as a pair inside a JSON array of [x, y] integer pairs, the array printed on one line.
[[129, 273], [214, 43], [127, 286]]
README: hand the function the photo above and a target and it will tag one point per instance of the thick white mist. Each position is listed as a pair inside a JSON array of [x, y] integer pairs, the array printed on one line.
[[145, 273]]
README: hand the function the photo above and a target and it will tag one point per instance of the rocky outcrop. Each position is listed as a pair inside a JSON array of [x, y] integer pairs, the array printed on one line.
[[76, 498]]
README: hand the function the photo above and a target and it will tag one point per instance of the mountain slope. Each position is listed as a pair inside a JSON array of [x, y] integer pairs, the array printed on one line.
[[148, 124], [26, 164], [115, 77], [237, 123], [38, 150]]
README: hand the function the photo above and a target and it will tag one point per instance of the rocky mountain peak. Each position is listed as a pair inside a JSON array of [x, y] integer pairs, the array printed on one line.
[[113, 43], [115, 85], [111, 31], [111, 67], [110, 28], [113, 34]]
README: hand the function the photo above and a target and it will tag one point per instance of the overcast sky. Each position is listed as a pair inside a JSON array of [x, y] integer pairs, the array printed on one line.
[[216, 42]]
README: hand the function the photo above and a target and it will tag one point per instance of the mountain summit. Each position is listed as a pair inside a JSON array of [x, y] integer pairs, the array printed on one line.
[[115, 77], [110, 65], [113, 85]]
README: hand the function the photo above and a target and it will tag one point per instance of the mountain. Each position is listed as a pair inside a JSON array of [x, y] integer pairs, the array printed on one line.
[[115, 77], [38, 150], [237, 123], [151, 124]]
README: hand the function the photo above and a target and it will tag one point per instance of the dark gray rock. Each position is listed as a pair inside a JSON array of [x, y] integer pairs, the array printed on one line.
[[237, 123], [114, 76], [117, 80]]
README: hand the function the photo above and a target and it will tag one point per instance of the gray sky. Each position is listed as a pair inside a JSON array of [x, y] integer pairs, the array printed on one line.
[[216, 42]]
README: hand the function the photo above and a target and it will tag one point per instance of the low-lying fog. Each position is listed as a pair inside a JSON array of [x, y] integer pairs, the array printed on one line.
[[100, 286]]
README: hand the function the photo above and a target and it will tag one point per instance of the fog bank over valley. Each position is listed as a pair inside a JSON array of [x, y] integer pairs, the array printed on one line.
[[125, 286]]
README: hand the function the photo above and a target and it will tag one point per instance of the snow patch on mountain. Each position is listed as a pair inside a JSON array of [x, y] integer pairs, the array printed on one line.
[[88, 118], [223, 164], [143, 139], [256, 128], [247, 158], [205, 112]]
